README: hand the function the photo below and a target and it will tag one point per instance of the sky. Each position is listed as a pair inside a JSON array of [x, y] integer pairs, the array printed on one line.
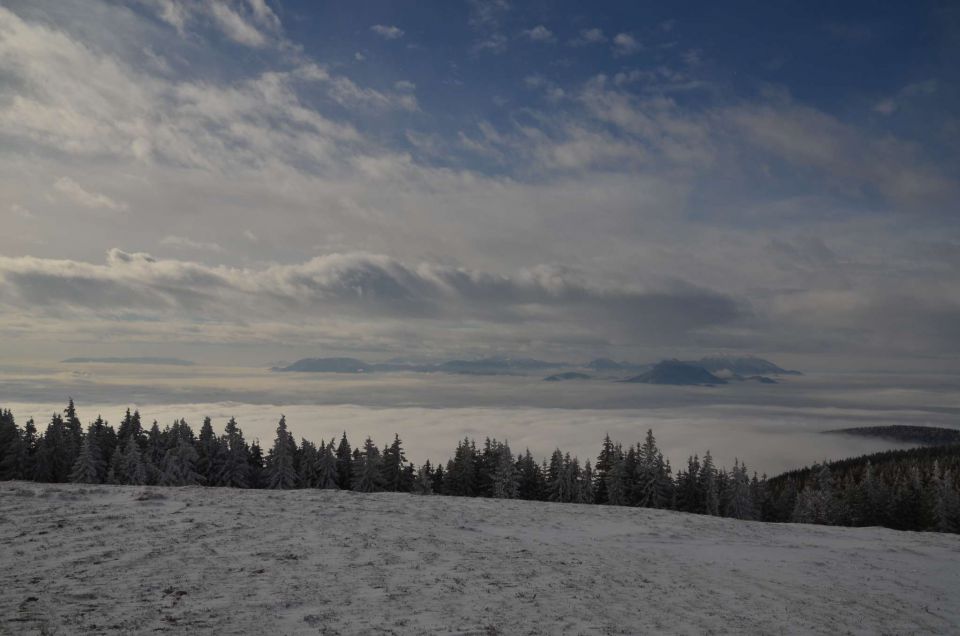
[[253, 180]]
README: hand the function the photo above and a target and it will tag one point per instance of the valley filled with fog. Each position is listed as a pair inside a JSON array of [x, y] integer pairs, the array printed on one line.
[[771, 427]]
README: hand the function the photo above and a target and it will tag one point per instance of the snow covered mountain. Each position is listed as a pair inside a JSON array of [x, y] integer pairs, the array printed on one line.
[[128, 559]]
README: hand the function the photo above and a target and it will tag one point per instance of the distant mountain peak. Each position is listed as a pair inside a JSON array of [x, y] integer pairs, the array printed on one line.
[[676, 372]]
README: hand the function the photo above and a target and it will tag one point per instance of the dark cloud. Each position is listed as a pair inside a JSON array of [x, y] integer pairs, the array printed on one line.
[[369, 286]]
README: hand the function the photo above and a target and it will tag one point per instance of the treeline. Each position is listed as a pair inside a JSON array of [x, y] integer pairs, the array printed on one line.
[[906, 490], [934, 435], [913, 489]]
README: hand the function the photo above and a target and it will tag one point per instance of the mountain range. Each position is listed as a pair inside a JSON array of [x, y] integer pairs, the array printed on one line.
[[706, 371]]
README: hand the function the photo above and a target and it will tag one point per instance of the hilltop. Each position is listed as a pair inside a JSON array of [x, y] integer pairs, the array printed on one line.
[[121, 559]]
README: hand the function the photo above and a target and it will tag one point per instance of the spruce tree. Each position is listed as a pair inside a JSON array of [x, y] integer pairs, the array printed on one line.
[[344, 463], [180, 464], [135, 470], [88, 467], [54, 455], [505, 478], [307, 460], [616, 482], [393, 465], [13, 450], [709, 493], [327, 473], [209, 454], [605, 462], [739, 504], [74, 432], [256, 465], [423, 481], [280, 472], [947, 510], [235, 467], [367, 470]]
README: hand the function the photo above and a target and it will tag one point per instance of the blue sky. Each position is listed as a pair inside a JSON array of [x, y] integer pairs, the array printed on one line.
[[546, 178]]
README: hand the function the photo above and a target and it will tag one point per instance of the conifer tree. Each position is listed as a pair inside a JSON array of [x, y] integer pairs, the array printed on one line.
[[439, 480], [106, 440], [74, 432], [947, 510], [393, 465], [135, 469], [209, 454], [307, 460], [815, 502], [235, 467], [327, 473], [280, 472], [344, 463], [88, 467], [460, 478], [423, 481], [531, 484], [180, 464], [605, 462], [54, 455], [13, 452], [709, 493], [585, 492], [367, 468], [617, 494], [739, 504], [505, 478], [256, 465]]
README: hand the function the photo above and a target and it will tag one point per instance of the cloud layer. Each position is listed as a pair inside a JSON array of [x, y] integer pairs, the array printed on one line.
[[624, 192]]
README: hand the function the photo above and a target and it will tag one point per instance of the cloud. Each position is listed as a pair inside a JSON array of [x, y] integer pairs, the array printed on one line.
[[388, 32], [21, 211], [366, 286], [496, 43], [249, 23], [540, 34], [86, 198], [186, 243], [235, 27], [641, 183], [625, 44], [806, 137], [890, 105], [589, 36], [486, 14]]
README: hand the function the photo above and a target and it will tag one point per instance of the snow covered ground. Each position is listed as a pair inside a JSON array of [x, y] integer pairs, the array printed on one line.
[[123, 559]]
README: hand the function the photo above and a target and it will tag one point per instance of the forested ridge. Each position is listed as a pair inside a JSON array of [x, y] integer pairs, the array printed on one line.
[[914, 489]]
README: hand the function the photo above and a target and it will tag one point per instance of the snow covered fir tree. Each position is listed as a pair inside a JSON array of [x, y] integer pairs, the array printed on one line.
[[915, 489]]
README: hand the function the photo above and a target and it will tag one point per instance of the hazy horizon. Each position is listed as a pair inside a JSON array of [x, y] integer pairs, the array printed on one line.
[[242, 182], [246, 181]]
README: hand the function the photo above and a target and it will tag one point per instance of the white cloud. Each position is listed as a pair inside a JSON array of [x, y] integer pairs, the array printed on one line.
[[625, 44], [235, 27], [387, 31], [496, 43], [365, 287], [541, 34], [186, 243], [21, 211], [86, 198], [905, 95], [618, 167], [589, 36]]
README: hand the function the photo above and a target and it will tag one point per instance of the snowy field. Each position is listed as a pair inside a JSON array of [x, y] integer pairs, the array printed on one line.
[[126, 559]]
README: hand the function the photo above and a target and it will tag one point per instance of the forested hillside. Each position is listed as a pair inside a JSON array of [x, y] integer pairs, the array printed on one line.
[[910, 490]]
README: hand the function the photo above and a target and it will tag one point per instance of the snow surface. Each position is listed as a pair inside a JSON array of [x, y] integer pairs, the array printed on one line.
[[128, 559]]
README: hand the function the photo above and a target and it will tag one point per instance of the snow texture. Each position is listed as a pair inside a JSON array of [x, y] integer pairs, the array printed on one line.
[[80, 559]]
